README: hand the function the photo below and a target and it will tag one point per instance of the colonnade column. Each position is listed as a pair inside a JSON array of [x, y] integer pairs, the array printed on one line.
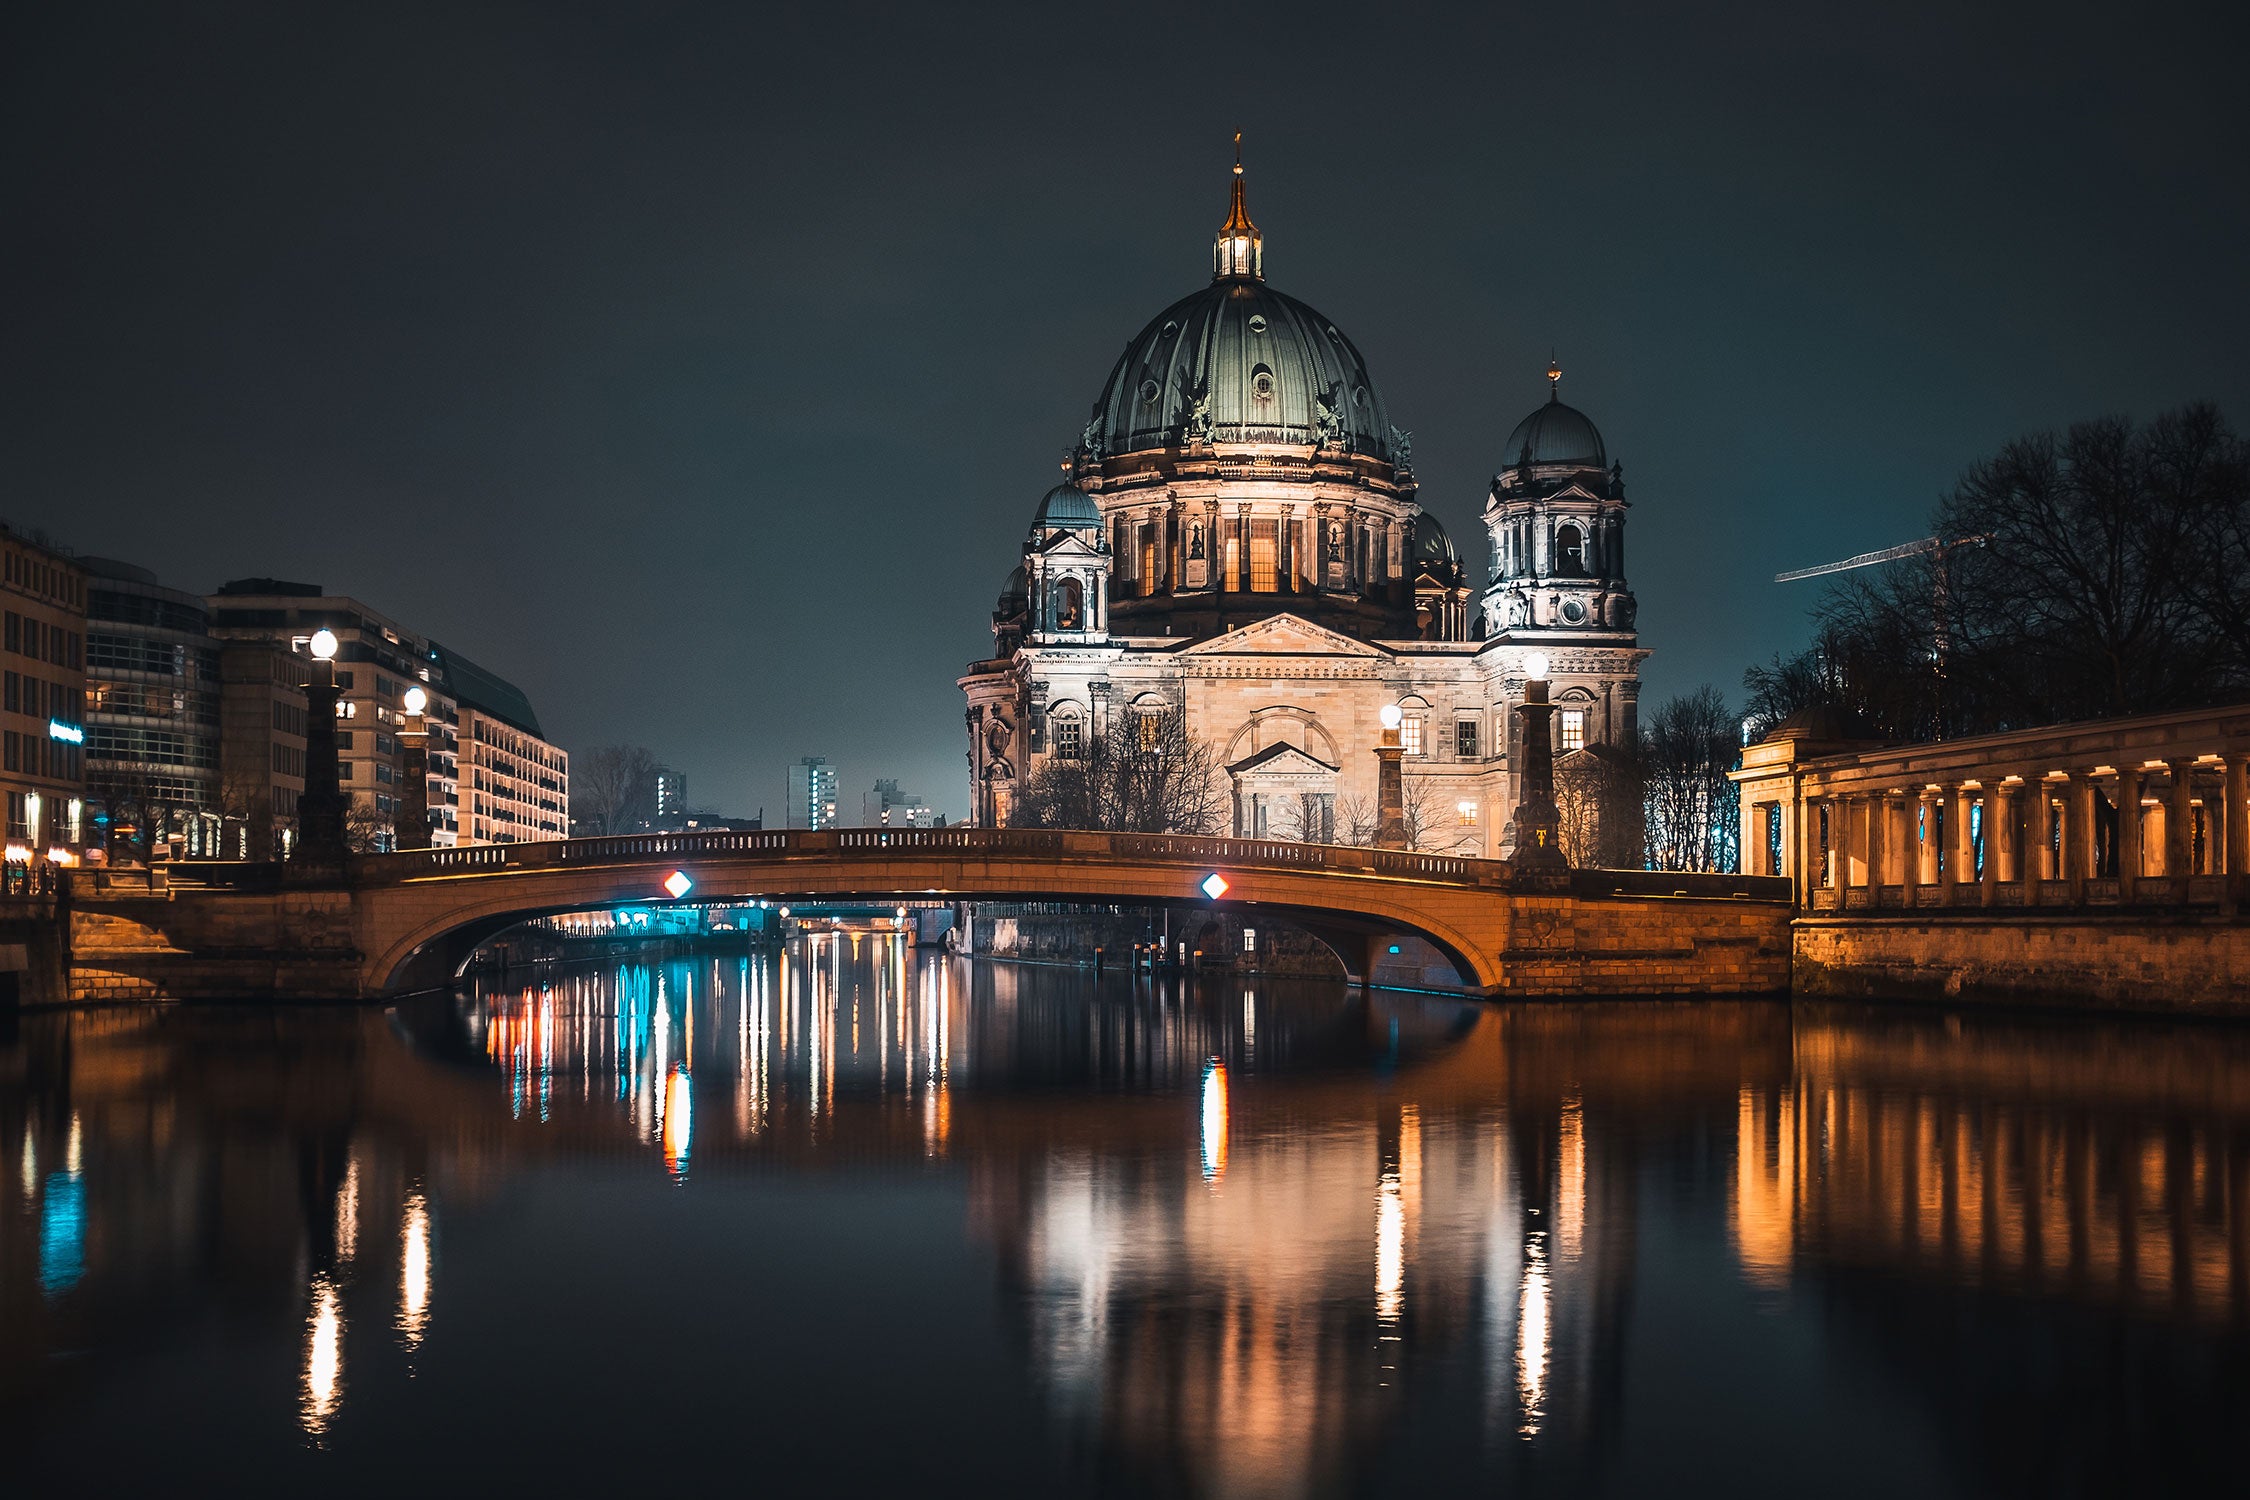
[[2179, 825], [2031, 834], [2128, 830], [2234, 776], [2078, 836], [1999, 803], [1878, 820], [1960, 839], [1912, 846]]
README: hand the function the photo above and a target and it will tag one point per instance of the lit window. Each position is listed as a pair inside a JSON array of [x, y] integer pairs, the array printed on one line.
[[1151, 729], [1573, 729], [1467, 810], [1410, 736]]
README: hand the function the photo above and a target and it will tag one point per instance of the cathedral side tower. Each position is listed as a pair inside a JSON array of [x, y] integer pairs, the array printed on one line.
[[1556, 516]]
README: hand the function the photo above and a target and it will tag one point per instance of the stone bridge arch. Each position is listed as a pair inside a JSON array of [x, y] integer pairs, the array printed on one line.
[[425, 913]]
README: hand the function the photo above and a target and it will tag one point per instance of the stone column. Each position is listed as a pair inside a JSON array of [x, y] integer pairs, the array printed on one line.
[[1997, 796], [2078, 836], [1533, 837], [1959, 852], [1912, 846], [2128, 831], [1878, 837], [2179, 825], [2235, 777], [2031, 834]]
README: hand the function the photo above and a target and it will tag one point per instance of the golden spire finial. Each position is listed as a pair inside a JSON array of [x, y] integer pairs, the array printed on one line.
[[1241, 249], [1554, 377]]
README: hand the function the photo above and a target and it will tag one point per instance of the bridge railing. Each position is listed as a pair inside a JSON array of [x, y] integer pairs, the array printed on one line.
[[876, 843], [1040, 843]]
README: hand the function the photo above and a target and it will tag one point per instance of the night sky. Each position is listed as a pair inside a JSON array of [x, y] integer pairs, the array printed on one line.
[[699, 367]]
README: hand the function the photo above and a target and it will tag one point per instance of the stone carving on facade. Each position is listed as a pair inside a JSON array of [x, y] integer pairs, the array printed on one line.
[[1090, 439], [1329, 421], [1402, 449]]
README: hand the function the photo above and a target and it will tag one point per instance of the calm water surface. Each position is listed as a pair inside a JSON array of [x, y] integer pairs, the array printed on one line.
[[867, 1222]]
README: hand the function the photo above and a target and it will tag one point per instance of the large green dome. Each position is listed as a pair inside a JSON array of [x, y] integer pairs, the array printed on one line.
[[1239, 362]]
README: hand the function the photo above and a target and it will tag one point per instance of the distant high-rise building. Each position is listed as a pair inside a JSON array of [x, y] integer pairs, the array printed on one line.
[[671, 793], [888, 807], [812, 793]]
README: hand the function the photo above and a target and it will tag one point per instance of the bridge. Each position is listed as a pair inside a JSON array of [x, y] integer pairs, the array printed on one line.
[[392, 924]]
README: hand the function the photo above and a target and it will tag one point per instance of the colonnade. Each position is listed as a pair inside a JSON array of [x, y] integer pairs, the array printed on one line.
[[2023, 837]]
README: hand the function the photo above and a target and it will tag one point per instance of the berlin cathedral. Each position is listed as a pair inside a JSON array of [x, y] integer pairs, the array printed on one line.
[[1237, 548]]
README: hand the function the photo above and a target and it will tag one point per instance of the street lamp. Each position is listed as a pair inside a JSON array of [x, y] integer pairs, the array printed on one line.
[[1533, 841], [320, 848], [414, 749], [1390, 782]]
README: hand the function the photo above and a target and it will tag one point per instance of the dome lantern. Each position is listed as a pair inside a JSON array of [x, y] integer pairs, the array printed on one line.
[[1240, 251]]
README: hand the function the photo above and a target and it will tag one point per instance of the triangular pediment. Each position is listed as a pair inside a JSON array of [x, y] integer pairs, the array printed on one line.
[[1282, 635], [1281, 759], [1069, 544]]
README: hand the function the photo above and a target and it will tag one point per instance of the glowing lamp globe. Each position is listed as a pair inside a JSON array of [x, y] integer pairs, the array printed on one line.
[[323, 644], [1535, 666], [415, 700], [1214, 885], [1392, 716], [678, 884]]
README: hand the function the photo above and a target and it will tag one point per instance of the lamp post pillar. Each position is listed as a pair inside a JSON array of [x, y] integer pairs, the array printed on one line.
[[320, 811], [1390, 791], [1534, 837], [414, 806]]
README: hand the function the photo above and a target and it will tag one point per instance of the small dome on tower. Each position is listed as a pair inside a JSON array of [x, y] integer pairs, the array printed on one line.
[[1066, 505], [1432, 547], [1555, 434]]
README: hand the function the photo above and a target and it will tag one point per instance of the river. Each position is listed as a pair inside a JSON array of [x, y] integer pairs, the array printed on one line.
[[867, 1221]]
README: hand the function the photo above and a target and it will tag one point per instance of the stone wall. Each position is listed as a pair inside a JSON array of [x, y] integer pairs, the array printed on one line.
[[2136, 961], [289, 945], [1622, 945]]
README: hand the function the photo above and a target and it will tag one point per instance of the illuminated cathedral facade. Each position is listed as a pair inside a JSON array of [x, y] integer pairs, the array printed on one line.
[[1238, 547]]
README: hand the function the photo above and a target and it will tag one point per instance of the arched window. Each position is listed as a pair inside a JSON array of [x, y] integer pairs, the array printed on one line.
[[1570, 552]]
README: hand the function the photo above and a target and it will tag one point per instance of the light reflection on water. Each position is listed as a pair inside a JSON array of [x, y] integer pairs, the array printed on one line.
[[1205, 1239]]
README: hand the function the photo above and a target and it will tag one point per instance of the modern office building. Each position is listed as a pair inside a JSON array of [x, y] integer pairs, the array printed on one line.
[[812, 793], [885, 806], [514, 787], [43, 730], [153, 694]]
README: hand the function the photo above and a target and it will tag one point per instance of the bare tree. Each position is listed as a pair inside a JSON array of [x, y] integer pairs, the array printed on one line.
[[1144, 774], [1689, 811], [1600, 796], [365, 829], [1433, 825], [612, 790], [2115, 579]]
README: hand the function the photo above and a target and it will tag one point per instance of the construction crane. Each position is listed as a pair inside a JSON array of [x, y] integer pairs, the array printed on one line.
[[1940, 587]]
